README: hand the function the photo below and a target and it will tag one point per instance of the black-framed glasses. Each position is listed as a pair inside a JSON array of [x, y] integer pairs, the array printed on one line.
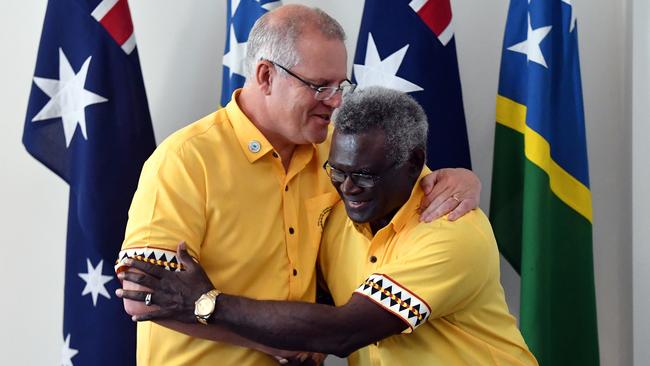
[[360, 180], [322, 92]]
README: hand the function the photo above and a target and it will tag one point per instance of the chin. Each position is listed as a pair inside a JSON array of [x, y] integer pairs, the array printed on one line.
[[317, 137], [359, 215]]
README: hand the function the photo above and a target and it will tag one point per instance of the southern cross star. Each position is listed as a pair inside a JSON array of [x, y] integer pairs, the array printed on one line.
[[68, 98], [95, 281], [376, 71], [67, 353]]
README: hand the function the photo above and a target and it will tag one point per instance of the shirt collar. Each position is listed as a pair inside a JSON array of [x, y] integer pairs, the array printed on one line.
[[252, 141]]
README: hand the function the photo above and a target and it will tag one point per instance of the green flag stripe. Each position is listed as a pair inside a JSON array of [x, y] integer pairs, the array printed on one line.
[[558, 314], [571, 191]]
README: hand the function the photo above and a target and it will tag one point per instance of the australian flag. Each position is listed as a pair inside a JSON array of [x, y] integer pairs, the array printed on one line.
[[241, 15], [88, 121], [409, 45]]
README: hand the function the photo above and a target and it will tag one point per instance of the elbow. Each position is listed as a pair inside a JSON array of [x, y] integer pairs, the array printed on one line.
[[346, 345]]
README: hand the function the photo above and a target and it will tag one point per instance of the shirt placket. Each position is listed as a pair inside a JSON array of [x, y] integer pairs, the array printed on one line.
[[292, 233]]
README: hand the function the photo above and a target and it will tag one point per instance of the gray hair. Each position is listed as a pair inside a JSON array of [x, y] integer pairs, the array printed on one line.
[[275, 39], [397, 114]]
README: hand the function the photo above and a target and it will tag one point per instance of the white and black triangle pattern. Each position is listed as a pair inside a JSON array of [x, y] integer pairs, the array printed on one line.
[[395, 298], [160, 257]]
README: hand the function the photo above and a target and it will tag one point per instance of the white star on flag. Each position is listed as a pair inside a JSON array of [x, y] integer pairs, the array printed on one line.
[[68, 98], [573, 15], [376, 71], [95, 281], [530, 47], [67, 353], [234, 59]]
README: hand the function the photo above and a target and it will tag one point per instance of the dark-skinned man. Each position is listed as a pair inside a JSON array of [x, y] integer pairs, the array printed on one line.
[[236, 184], [388, 272]]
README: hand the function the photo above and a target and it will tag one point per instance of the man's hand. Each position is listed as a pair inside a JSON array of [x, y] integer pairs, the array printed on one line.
[[173, 292], [449, 191]]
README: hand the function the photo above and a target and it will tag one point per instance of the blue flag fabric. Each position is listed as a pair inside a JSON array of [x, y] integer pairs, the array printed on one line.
[[240, 18], [409, 45], [88, 121]]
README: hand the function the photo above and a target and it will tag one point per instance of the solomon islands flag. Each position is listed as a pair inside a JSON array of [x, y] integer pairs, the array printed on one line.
[[88, 121], [409, 45], [541, 202], [241, 15]]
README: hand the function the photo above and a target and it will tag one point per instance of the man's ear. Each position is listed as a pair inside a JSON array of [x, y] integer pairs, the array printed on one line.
[[416, 161], [264, 75]]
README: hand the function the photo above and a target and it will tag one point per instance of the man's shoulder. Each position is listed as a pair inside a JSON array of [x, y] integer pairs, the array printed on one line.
[[204, 130], [470, 232]]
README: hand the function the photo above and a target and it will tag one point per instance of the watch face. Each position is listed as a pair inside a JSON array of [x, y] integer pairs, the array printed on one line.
[[204, 306]]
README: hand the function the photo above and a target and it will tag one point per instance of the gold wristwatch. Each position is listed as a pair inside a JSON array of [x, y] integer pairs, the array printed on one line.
[[204, 307]]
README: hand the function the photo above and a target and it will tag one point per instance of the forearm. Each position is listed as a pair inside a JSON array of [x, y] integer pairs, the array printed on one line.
[[218, 333], [294, 325]]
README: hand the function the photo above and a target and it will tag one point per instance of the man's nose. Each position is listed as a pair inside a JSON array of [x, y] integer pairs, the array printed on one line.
[[348, 187], [335, 101]]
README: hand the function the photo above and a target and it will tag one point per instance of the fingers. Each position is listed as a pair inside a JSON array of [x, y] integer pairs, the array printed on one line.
[[428, 182], [461, 209], [148, 268], [139, 278], [439, 203], [433, 212], [159, 314], [132, 295], [184, 258]]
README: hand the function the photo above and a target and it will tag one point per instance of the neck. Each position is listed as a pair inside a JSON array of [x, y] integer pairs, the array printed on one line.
[[254, 108], [379, 224]]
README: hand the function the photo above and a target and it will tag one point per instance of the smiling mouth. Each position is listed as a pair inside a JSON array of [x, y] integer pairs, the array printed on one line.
[[325, 117], [356, 204]]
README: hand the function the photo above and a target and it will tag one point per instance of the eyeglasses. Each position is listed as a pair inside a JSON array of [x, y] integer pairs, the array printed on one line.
[[322, 92], [359, 179]]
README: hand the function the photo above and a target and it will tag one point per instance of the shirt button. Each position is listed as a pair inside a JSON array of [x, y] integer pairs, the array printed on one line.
[[254, 146], [291, 230], [295, 272], [373, 259], [275, 155]]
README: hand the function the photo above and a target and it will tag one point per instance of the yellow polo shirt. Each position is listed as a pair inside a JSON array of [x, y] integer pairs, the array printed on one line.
[[441, 279], [218, 185]]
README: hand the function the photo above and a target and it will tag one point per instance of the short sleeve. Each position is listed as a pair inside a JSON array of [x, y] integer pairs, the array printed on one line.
[[439, 269], [167, 208]]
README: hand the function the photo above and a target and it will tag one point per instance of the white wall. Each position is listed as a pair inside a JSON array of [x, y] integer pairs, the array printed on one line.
[[641, 179], [180, 44]]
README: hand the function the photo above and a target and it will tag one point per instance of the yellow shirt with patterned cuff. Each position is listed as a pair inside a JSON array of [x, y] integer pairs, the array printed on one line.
[[218, 185], [441, 279]]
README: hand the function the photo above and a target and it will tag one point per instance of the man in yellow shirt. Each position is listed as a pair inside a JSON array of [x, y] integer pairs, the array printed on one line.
[[238, 184], [388, 273]]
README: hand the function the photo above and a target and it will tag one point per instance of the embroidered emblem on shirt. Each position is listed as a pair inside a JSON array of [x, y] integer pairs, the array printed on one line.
[[323, 215], [395, 298]]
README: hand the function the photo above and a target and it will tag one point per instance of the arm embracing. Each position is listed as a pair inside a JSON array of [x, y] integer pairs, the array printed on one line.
[[279, 324]]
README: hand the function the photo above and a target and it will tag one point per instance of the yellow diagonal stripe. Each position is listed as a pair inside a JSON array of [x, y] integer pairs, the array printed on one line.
[[570, 190]]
